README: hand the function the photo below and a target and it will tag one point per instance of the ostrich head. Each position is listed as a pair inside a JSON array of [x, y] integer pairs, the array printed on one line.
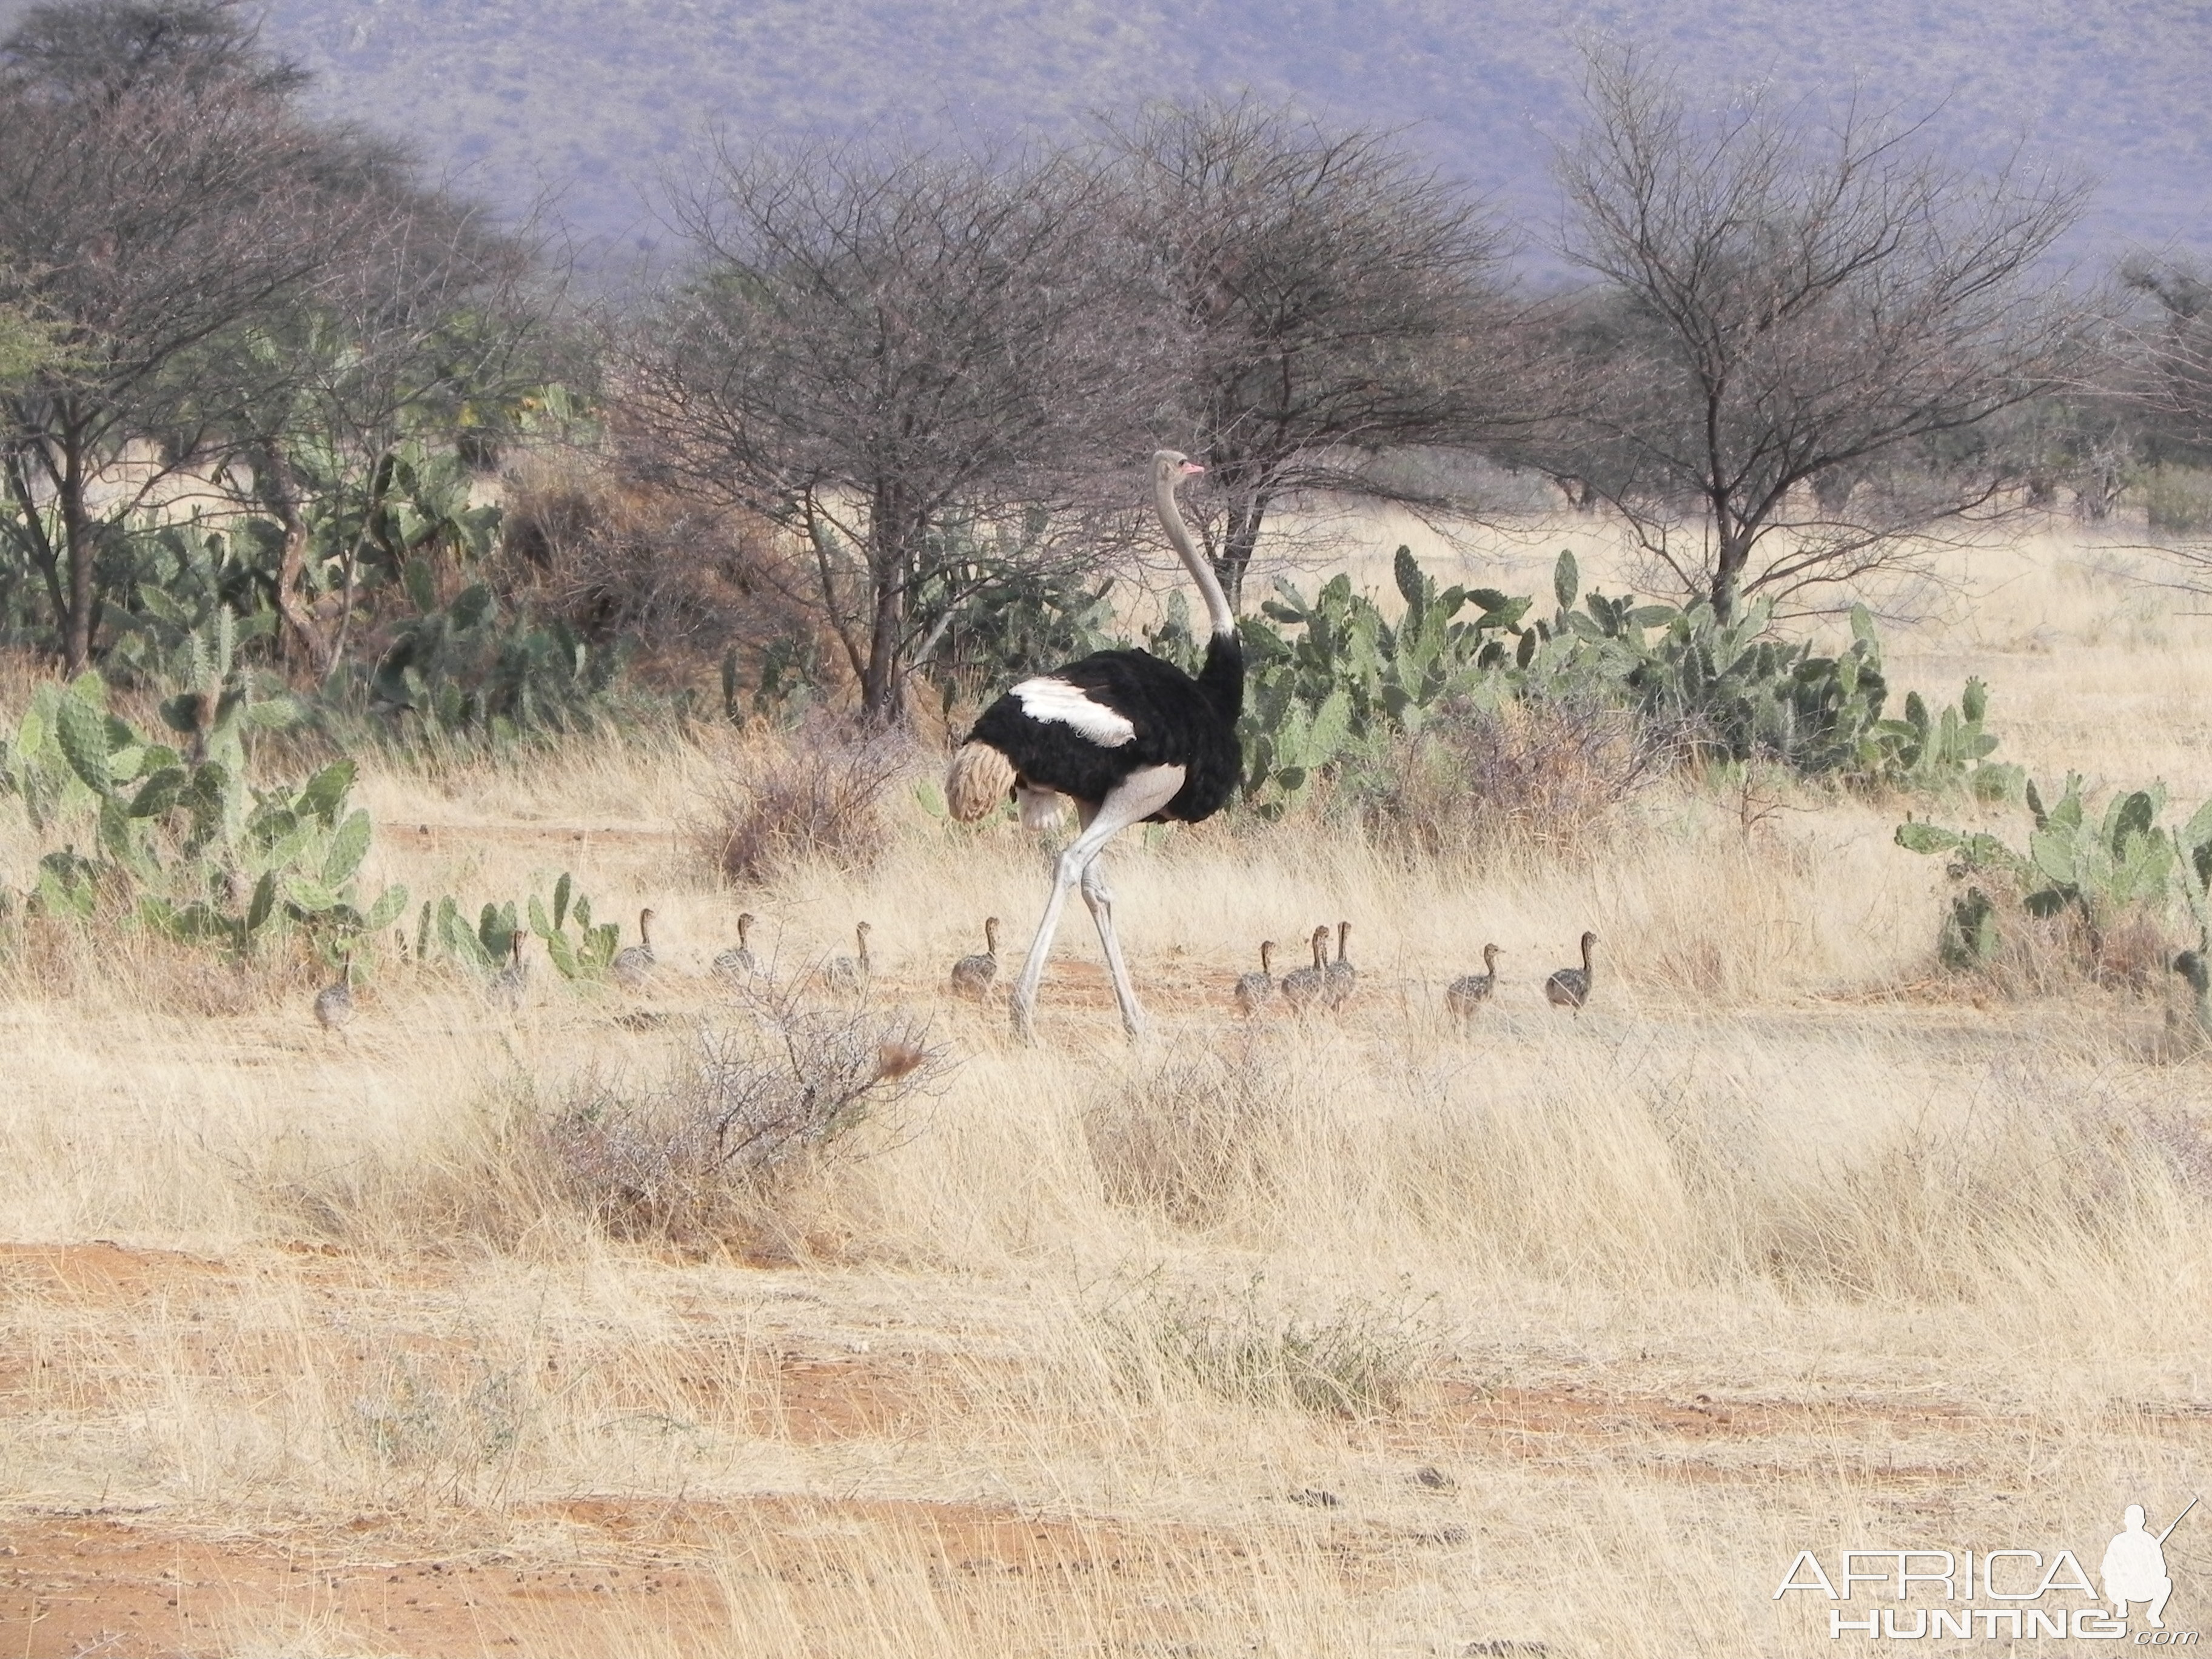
[[645, 925], [1172, 466], [744, 926], [1490, 955], [991, 935]]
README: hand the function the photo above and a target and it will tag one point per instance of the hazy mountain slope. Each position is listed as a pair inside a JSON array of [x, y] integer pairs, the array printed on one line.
[[593, 99]]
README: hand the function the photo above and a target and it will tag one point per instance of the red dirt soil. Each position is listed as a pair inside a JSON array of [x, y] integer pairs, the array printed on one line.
[[77, 1585]]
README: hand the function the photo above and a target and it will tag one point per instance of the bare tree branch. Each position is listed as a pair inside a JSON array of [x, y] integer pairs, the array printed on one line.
[[1804, 333], [873, 348], [1339, 300]]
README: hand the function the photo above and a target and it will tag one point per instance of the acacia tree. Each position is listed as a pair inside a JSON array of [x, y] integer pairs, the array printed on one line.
[[1801, 334], [157, 192], [428, 324], [876, 351], [1338, 302]]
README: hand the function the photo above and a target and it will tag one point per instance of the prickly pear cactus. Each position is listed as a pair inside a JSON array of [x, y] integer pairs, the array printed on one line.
[[177, 842]]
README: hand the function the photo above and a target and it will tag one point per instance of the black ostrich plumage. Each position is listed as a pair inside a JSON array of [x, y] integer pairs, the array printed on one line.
[[1179, 721]]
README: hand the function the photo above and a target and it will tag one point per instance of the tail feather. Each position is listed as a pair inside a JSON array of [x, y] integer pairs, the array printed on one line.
[[980, 778]]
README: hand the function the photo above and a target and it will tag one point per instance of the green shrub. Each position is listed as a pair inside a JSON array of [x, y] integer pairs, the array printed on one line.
[[466, 671], [1329, 682], [2089, 878]]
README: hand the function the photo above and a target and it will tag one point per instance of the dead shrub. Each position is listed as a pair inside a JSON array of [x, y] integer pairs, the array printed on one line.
[[722, 1151], [818, 793], [1553, 776], [1193, 1139]]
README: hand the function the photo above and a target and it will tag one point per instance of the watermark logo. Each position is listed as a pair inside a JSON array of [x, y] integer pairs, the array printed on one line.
[[2001, 1594]]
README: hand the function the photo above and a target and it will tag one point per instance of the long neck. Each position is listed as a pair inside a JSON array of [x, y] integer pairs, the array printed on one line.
[[1217, 613], [1586, 958]]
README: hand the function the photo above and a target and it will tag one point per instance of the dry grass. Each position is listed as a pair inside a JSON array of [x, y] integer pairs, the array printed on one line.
[[1359, 1334]]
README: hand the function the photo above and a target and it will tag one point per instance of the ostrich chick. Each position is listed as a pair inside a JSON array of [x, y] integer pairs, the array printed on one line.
[[737, 962], [1343, 979], [632, 966], [512, 984], [1306, 986], [1470, 991], [1256, 991], [972, 976], [846, 974], [334, 1002], [1570, 987]]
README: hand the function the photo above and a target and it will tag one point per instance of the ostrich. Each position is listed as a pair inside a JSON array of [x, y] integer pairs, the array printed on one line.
[[844, 973], [1305, 987], [972, 976], [1570, 987], [738, 962], [334, 1002], [1342, 978], [1470, 991], [511, 982], [1128, 738], [633, 965], [1256, 991]]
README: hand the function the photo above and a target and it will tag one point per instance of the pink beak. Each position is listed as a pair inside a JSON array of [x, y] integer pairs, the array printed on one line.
[[1189, 467]]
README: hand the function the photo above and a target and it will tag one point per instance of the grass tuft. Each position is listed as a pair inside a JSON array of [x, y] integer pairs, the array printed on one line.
[[1356, 1357]]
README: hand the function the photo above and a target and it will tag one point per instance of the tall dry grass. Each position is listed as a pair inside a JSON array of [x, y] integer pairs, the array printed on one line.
[[1207, 1313]]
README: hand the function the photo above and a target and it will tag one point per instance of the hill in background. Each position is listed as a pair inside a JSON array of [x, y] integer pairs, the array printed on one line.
[[592, 100]]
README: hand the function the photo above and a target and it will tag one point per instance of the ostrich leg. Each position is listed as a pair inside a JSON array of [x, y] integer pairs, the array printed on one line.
[[1135, 798], [1097, 894]]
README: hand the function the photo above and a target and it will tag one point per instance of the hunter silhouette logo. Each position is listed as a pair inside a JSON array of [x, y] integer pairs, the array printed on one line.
[[2135, 1566], [2002, 1593]]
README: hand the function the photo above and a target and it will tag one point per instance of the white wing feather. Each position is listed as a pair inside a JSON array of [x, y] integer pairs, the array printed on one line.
[[1054, 702]]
